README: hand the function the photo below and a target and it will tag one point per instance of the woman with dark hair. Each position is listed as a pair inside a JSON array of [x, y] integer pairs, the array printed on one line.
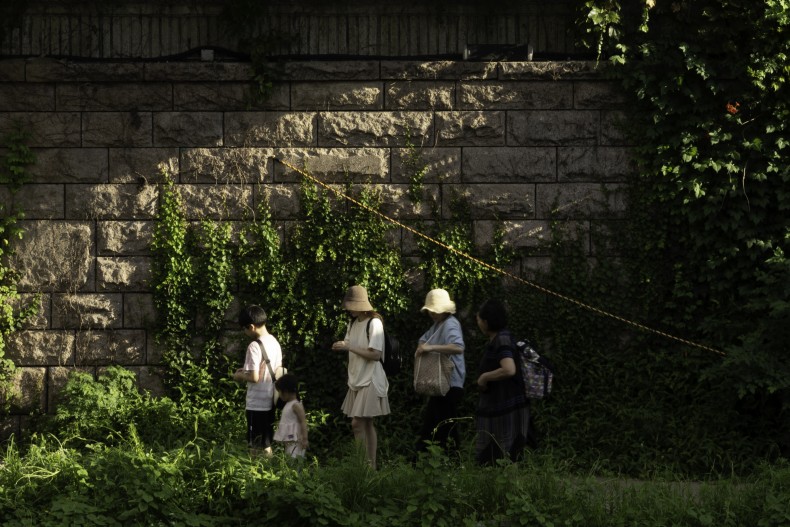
[[502, 415]]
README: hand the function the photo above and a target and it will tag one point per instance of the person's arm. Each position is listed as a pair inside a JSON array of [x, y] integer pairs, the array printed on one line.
[[453, 340], [242, 375], [507, 369], [300, 415], [253, 359]]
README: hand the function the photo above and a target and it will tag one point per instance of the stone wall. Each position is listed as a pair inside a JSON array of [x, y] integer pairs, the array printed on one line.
[[521, 140]]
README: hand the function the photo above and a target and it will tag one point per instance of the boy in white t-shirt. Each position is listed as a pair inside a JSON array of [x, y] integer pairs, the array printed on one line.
[[260, 385]]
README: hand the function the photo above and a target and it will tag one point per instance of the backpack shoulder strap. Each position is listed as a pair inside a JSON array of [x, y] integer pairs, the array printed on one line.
[[266, 358]]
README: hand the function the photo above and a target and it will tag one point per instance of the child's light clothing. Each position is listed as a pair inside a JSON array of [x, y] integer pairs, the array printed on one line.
[[289, 430]]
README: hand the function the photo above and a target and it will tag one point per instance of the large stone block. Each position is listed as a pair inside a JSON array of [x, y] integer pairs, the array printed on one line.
[[226, 165], [442, 69], [613, 128], [558, 128], [516, 95], [26, 97], [116, 128], [509, 165], [333, 165], [53, 70], [54, 256], [434, 165], [397, 205], [46, 129], [108, 347], [141, 165], [374, 128], [491, 201], [41, 348], [40, 302], [57, 379], [228, 96], [139, 311], [123, 273], [342, 70], [337, 96], [28, 393], [594, 164], [598, 96], [282, 199], [86, 311], [215, 72], [565, 70], [40, 202], [111, 201], [470, 128], [579, 200], [69, 165], [130, 97], [124, 238], [420, 95], [218, 202], [150, 380], [12, 70], [524, 235], [280, 129], [188, 129]]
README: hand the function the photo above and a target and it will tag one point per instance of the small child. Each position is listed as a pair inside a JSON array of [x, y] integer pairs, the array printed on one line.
[[292, 428]]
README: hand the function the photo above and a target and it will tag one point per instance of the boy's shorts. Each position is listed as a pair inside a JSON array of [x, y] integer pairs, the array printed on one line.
[[260, 428]]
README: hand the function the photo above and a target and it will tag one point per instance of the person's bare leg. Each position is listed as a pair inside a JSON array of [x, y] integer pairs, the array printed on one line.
[[358, 426], [372, 443]]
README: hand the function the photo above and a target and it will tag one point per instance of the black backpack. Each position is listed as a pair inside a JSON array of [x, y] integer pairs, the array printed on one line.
[[391, 358]]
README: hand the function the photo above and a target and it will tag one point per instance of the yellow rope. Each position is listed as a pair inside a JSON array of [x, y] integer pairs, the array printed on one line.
[[501, 271]]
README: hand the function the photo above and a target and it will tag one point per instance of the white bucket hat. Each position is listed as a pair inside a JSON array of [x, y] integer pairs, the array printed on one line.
[[356, 299], [438, 301]]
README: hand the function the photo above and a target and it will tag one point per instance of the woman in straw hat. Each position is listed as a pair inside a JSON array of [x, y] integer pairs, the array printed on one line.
[[367, 383], [444, 336]]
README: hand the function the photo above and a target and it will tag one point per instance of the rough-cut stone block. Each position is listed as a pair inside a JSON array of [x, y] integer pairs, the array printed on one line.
[[57, 379], [556, 128], [52, 70], [218, 202], [116, 128], [420, 95], [198, 71], [86, 311], [509, 165], [139, 311], [54, 256], [486, 201], [470, 128], [12, 70], [597, 96], [41, 304], [335, 165], [326, 70], [69, 165], [111, 201], [519, 235], [594, 164], [139, 97], [124, 238], [270, 129], [373, 128], [28, 393], [437, 165], [337, 96], [150, 380], [40, 202], [214, 96], [567, 70], [445, 69], [41, 348], [226, 165], [188, 129], [578, 200], [282, 199], [46, 129], [25, 97], [108, 347], [154, 352], [397, 205], [516, 95], [613, 131], [123, 273], [141, 165]]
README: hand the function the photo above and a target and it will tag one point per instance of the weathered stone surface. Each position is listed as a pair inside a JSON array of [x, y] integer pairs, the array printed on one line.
[[562, 127], [107, 347], [55, 70], [443, 69], [41, 348], [69, 165], [124, 238], [216, 201], [487, 201], [139, 311], [597, 96], [215, 96], [123, 273], [337, 96], [327, 70], [578, 200], [333, 165], [470, 128], [150, 380], [45, 129], [373, 128], [110, 201], [215, 72], [141, 165], [39, 202], [28, 393], [516, 95], [508, 164], [188, 129], [41, 304], [116, 128], [280, 129], [54, 256], [612, 128], [437, 165], [227, 165], [420, 95], [518, 235], [22, 97], [12, 70], [594, 164], [131, 97], [565, 70], [396, 204], [56, 380], [86, 311], [9, 424], [282, 199]]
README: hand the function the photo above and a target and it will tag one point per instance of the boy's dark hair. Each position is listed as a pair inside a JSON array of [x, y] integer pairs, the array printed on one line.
[[287, 383], [494, 313], [254, 315]]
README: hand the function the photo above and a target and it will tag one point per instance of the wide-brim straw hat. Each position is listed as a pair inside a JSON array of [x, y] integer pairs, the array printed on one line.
[[438, 301], [356, 299]]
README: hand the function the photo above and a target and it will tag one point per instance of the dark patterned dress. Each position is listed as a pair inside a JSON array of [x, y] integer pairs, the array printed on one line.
[[502, 415]]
